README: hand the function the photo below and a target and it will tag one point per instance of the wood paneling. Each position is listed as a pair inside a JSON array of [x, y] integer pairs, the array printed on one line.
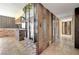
[[77, 28], [7, 22], [44, 28], [66, 28]]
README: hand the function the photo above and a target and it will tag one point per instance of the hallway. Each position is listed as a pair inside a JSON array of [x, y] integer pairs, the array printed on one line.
[[50, 30], [11, 46], [64, 47]]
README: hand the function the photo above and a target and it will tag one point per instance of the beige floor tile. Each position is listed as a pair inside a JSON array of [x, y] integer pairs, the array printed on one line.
[[63, 47], [10, 46]]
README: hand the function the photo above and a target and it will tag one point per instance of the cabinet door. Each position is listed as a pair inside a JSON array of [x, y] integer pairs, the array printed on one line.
[[21, 35]]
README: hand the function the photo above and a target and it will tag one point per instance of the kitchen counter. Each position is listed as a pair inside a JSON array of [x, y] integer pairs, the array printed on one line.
[[11, 32], [12, 29]]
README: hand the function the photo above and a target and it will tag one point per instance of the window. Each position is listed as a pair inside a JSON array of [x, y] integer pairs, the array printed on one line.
[[23, 25]]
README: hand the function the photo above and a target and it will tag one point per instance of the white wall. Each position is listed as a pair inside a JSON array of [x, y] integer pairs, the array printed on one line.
[[10, 9]]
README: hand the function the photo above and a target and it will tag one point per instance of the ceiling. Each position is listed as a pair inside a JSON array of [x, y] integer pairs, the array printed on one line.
[[10, 9], [62, 10]]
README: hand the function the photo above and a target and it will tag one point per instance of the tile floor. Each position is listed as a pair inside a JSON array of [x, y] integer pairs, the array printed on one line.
[[65, 46], [11, 46]]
